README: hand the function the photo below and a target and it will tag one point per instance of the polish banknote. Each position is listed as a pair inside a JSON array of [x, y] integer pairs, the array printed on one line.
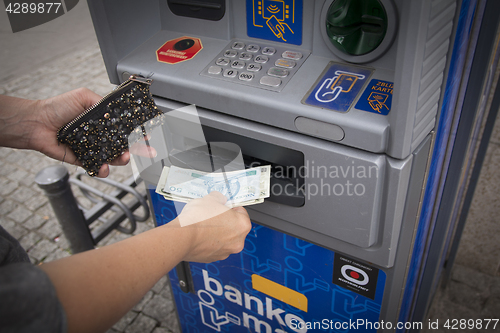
[[241, 187]]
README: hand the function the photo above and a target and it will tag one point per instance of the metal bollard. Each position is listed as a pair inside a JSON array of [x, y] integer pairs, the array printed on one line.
[[54, 181]]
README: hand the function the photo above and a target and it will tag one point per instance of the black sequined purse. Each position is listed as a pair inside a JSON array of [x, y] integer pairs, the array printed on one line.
[[105, 130]]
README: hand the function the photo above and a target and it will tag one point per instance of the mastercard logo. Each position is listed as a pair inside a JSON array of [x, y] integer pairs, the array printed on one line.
[[355, 275]]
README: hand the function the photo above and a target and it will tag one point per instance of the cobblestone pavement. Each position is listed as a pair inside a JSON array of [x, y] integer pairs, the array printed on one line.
[[26, 213]]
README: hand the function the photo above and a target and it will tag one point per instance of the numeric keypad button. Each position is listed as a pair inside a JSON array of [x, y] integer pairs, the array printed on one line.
[[230, 53], [238, 64], [223, 61], [246, 56], [238, 45], [267, 50], [231, 73], [253, 48], [261, 59], [254, 67], [245, 76]]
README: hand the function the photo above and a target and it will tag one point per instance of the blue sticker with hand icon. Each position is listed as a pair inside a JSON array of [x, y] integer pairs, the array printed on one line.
[[275, 20], [338, 87], [377, 97]]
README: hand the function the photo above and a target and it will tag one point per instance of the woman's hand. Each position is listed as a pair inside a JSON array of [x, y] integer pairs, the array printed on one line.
[[28, 124], [222, 230], [56, 112]]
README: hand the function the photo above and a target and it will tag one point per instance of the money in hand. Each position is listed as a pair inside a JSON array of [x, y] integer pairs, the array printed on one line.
[[241, 187]]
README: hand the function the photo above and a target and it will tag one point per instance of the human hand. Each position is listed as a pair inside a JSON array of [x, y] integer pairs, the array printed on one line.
[[55, 112], [30, 124], [216, 231]]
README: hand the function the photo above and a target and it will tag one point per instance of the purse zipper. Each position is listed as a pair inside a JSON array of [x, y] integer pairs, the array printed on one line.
[[132, 78]]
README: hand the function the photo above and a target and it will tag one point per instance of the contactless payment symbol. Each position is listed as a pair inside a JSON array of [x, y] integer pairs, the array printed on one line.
[[338, 86], [377, 97], [275, 20]]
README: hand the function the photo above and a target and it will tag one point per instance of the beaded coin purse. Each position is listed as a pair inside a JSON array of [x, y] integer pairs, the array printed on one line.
[[103, 132]]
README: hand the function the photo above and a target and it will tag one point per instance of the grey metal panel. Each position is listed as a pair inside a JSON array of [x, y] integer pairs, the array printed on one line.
[[363, 218], [121, 27], [424, 43], [183, 82], [396, 275], [415, 63]]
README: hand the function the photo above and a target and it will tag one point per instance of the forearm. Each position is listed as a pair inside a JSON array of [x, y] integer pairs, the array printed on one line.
[[17, 121], [98, 287]]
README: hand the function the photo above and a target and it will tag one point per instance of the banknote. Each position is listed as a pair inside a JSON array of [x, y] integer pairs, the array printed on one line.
[[241, 187]]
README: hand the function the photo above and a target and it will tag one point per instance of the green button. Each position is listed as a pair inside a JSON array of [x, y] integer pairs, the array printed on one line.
[[356, 27]]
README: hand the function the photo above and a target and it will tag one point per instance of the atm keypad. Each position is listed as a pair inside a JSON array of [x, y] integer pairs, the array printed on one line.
[[252, 64]]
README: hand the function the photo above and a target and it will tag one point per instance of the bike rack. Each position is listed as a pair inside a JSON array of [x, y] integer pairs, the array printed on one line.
[[77, 220]]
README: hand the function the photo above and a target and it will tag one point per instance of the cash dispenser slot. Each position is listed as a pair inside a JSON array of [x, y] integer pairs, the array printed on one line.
[[286, 164], [281, 178], [194, 145]]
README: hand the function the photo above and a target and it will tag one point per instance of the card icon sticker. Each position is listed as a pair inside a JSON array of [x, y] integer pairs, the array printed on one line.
[[377, 97], [275, 20], [337, 87]]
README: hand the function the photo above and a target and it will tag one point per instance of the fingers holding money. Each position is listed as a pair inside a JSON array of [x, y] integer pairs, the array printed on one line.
[[198, 210], [222, 230], [219, 197], [217, 229], [241, 187]]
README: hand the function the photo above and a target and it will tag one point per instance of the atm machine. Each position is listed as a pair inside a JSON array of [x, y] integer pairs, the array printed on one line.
[[341, 98]]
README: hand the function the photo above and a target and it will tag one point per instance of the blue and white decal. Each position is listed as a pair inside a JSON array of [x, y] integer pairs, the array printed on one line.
[[277, 284], [338, 86], [377, 97], [275, 20]]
